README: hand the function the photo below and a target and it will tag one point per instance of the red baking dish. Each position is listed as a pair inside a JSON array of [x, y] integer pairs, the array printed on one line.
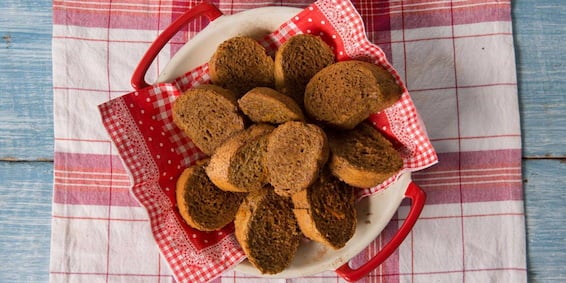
[[376, 206]]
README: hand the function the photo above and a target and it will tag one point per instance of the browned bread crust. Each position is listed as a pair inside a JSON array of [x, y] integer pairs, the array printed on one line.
[[240, 64], [325, 211], [295, 153], [208, 114], [363, 157], [297, 61], [266, 105], [345, 93], [390, 89], [201, 204], [237, 165], [267, 230]]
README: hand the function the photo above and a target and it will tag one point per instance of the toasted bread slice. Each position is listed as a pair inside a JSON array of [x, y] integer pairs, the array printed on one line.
[[266, 105], [208, 114], [325, 211], [297, 61], [240, 64], [201, 204], [363, 157], [390, 89], [345, 93], [267, 230], [295, 153], [237, 165]]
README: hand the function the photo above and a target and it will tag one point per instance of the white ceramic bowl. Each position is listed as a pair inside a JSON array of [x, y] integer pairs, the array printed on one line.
[[374, 212]]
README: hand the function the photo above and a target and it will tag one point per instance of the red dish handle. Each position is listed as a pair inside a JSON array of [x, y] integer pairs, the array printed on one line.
[[203, 9], [418, 197]]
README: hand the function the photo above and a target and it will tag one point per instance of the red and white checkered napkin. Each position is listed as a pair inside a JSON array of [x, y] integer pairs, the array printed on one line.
[[155, 151]]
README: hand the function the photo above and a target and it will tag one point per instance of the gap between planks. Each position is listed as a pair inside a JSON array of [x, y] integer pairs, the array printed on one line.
[[13, 159]]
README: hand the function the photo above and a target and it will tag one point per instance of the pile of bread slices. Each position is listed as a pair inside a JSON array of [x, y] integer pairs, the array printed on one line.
[[287, 145]]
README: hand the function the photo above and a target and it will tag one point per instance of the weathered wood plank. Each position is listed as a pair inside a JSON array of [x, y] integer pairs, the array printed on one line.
[[25, 221], [25, 211], [26, 96], [545, 199], [540, 31]]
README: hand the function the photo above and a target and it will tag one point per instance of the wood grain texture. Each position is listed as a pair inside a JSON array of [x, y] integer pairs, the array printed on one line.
[[25, 221], [545, 198], [26, 96], [540, 32], [25, 217]]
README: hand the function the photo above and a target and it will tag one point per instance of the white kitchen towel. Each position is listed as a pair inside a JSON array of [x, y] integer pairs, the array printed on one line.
[[456, 59]]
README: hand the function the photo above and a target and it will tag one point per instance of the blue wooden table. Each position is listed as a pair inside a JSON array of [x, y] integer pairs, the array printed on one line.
[[26, 136]]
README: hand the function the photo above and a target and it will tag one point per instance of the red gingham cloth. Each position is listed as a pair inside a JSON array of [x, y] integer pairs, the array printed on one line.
[[100, 232]]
